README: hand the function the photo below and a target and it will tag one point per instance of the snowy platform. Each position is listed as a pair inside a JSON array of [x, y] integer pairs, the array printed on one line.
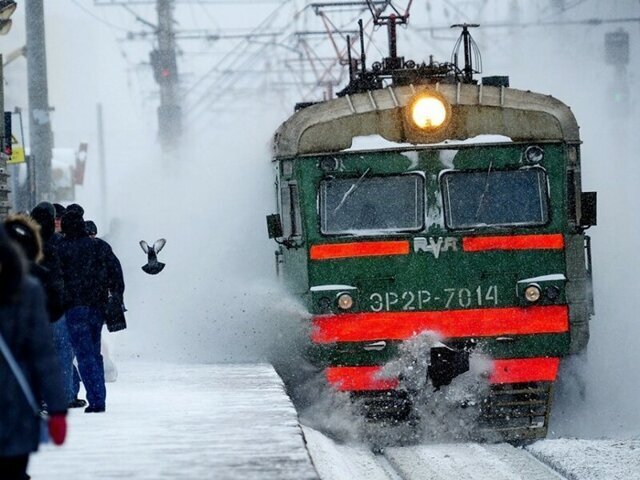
[[167, 421]]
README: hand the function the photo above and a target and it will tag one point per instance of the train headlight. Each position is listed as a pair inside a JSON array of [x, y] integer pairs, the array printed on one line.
[[534, 154], [552, 292], [532, 293], [429, 112], [345, 301], [324, 304]]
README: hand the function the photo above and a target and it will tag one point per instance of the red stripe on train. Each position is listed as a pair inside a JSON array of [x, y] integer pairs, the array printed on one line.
[[483, 322], [520, 370], [513, 370], [513, 242], [351, 379], [329, 251]]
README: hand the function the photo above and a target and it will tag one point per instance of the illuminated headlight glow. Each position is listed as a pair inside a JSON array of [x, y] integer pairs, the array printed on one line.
[[428, 112], [345, 301], [532, 293]]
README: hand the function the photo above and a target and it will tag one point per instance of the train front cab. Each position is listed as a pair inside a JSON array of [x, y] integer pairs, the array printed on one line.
[[480, 244]]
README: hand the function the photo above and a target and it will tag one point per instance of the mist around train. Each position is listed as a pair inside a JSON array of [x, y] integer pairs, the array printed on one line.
[[221, 301], [218, 299]]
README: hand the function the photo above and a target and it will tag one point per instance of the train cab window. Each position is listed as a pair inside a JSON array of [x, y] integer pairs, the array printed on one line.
[[495, 198], [374, 204]]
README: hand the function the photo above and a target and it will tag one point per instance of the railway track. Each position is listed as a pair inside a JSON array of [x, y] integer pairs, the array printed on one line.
[[468, 461]]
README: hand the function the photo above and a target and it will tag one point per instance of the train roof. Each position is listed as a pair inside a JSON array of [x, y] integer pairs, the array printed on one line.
[[476, 110]]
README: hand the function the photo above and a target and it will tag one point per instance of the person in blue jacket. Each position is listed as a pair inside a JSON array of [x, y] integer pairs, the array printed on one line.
[[91, 272]]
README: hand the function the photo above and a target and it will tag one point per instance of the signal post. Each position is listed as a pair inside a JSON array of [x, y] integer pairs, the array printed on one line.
[[165, 68]]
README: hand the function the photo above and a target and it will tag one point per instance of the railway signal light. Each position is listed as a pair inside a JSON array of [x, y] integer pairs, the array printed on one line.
[[165, 68]]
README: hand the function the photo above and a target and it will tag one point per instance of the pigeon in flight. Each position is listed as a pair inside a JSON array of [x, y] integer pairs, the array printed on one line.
[[153, 266]]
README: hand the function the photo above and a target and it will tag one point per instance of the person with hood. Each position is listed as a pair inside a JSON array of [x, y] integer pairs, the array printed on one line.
[[90, 271], [40, 247], [26, 346], [45, 215], [58, 217]]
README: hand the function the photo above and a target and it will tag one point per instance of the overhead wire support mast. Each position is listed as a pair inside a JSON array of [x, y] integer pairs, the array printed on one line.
[[165, 68], [164, 63]]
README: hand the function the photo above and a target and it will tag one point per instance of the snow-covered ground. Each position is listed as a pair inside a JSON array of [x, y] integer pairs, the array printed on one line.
[[591, 459], [172, 421], [235, 421], [544, 460]]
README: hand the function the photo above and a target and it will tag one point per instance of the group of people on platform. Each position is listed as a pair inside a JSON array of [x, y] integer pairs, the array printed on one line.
[[56, 281]]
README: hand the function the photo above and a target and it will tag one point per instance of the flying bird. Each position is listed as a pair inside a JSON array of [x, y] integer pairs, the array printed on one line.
[[153, 266]]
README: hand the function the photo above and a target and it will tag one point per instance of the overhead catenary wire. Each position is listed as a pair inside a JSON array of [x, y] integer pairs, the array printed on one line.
[[213, 69], [97, 17], [321, 77]]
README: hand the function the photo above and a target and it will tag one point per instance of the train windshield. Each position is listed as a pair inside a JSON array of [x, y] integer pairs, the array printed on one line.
[[495, 198], [376, 204]]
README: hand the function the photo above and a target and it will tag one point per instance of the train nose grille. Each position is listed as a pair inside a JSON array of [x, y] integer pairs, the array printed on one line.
[[516, 411]]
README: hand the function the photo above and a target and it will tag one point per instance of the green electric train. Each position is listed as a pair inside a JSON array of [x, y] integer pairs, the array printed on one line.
[[466, 219]]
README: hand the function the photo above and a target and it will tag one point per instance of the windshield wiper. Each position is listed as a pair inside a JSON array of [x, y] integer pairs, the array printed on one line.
[[352, 189], [484, 193]]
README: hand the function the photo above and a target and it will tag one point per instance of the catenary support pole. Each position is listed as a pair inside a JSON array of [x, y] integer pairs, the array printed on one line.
[[169, 111], [102, 166]]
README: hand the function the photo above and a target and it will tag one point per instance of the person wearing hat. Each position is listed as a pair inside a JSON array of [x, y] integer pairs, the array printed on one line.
[[25, 231], [90, 270], [45, 215], [59, 212], [29, 373]]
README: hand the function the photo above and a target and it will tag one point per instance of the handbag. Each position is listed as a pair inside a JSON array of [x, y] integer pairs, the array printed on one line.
[[26, 389], [114, 314]]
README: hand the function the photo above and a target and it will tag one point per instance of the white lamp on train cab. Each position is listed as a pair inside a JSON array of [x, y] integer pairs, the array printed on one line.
[[429, 112]]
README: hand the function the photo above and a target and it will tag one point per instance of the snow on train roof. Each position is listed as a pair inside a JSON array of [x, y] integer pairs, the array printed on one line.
[[477, 110], [376, 142]]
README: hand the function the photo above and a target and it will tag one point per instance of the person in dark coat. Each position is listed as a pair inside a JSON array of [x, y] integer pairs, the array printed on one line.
[[27, 232], [45, 215], [92, 228], [58, 218], [91, 271], [25, 328]]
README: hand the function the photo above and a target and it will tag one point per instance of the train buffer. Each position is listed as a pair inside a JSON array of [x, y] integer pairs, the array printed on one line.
[[184, 422]]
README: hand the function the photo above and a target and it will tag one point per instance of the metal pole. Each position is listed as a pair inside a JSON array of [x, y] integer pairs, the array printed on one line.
[[169, 112], [102, 167], [4, 176], [41, 137], [393, 40]]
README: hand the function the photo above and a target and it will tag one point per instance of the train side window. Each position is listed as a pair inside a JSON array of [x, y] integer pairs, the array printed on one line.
[[290, 210], [572, 208], [475, 199], [296, 228]]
